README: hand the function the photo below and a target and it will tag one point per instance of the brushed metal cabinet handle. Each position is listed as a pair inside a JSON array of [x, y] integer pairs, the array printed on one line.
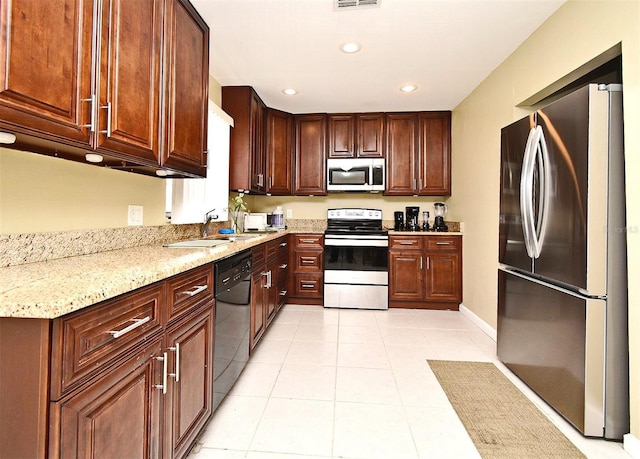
[[136, 323]]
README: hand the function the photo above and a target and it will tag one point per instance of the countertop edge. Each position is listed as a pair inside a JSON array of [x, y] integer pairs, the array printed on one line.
[[54, 288]]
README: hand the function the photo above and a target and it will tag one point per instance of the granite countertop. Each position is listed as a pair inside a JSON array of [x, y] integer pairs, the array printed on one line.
[[50, 289], [55, 287]]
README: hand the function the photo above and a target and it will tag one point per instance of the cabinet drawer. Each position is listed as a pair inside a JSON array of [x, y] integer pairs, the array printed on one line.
[[308, 285], [187, 290], [307, 260], [88, 341], [258, 257], [309, 241], [443, 243], [406, 242]]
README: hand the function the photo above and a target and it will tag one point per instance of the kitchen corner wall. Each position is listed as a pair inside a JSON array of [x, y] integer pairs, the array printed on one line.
[[577, 34]]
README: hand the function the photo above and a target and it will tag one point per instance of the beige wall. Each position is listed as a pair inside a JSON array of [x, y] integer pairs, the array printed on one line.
[[316, 207], [576, 34], [41, 193]]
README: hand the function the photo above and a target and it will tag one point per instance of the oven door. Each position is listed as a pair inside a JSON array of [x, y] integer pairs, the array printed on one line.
[[356, 273]]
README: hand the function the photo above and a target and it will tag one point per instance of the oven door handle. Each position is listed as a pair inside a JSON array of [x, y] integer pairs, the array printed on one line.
[[355, 242]]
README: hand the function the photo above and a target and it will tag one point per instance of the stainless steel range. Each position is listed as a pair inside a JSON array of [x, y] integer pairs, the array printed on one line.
[[356, 267]]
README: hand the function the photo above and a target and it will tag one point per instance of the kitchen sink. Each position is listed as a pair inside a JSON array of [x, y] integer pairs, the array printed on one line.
[[198, 243]]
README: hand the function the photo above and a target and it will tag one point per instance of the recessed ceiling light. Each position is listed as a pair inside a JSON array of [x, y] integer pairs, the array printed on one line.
[[408, 88], [93, 157], [351, 47], [290, 91]]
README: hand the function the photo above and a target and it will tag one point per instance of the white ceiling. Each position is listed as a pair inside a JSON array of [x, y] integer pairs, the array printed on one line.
[[446, 47]]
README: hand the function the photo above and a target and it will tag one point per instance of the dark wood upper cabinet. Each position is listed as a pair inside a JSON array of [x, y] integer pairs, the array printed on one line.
[[418, 153], [279, 153], [356, 135], [434, 145], [187, 88], [401, 154], [370, 129], [310, 176], [45, 78], [247, 164], [128, 93], [341, 135], [127, 79]]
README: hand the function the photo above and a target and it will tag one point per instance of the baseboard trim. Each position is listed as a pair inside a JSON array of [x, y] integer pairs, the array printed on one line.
[[485, 327], [632, 446]]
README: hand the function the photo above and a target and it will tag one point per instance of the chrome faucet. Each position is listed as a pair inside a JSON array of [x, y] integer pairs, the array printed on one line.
[[207, 219]]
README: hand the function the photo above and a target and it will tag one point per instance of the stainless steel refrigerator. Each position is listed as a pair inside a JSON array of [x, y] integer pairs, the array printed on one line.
[[562, 279]]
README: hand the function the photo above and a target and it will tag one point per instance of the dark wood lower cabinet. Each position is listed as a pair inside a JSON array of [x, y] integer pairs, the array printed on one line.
[[116, 416], [128, 377], [425, 271], [268, 285], [189, 401]]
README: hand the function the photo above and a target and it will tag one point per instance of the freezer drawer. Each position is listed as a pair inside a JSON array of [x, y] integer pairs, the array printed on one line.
[[554, 342]]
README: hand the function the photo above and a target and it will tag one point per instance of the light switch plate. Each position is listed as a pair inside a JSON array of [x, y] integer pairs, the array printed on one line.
[[134, 217], [289, 213]]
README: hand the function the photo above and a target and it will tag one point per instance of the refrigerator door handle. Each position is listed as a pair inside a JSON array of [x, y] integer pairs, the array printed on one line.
[[526, 190], [544, 187], [536, 155]]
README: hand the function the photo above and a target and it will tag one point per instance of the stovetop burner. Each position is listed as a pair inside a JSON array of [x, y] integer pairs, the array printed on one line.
[[355, 221]]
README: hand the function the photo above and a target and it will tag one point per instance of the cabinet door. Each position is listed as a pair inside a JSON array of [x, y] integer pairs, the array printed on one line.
[[406, 275], [401, 154], [279, 153], [444, 273], [310, 152], [187, 83], [128, 112], [341, 134], [45, 79], [258, 157], [190, 367], [116, 416], [370, 128], [434, 145], [258, 307]]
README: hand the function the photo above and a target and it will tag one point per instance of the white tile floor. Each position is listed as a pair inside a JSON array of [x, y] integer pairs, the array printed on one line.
[[328, 383]]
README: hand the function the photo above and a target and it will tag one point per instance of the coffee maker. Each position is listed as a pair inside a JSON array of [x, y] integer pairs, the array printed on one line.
[[398, 221], [412, 218], [439, 209]]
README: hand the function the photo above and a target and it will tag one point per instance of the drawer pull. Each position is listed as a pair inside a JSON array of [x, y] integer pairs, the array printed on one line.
[[308, 241], [308, 285], [136, 323], [283, 244], [408, 242], [283, 293], [176, 349], [443, 243], [284, 266], [197, 289], [307, 261], [163, 386]]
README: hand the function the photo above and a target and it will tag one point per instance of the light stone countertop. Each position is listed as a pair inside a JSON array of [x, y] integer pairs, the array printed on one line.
[[50, 289], [53, 288]]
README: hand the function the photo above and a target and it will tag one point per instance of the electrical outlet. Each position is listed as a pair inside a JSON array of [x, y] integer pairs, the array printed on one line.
[[289, 213], [134, 216]]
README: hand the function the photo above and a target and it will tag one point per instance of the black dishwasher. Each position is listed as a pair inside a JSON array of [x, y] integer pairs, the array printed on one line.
[[233, 299]]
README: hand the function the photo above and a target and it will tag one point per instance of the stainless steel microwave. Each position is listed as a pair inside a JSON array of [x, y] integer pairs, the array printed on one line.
[[357, 174]]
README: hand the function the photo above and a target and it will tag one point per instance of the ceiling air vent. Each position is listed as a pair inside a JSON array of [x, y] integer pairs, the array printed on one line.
[[344, 5]]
